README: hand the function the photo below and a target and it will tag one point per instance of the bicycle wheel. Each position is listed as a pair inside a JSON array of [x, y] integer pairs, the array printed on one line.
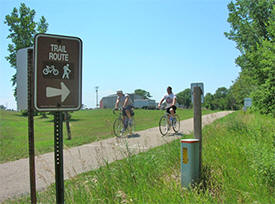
[[55, 72], [45, 71], [117, 127], [176, 124], [163, 125]]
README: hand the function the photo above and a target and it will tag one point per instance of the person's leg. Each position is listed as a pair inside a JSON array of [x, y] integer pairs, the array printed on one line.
[[168, 117], [128, 113], [124, 118], [172, 112]]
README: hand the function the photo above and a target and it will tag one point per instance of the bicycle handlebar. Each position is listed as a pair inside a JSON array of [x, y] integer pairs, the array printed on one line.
[[116, 109]]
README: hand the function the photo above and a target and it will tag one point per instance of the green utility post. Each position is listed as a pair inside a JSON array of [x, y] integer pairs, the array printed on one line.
[[189, 161]]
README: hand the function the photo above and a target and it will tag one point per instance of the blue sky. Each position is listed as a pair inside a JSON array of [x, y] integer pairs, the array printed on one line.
[[131, 44]]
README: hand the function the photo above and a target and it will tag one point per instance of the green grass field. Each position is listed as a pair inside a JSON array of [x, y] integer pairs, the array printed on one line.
[[86, 126], [238, 167]]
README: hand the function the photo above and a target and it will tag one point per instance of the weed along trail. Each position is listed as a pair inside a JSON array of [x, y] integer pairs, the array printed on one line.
[[14, 176]]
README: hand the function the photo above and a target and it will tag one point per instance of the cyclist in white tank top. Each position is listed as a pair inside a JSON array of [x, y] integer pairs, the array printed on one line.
[[170, 100]]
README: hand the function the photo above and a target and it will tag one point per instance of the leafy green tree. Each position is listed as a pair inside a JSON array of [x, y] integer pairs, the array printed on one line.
[[232, 102], [241, 88], [264, 96], [253, 30], [221, 92], [208, 101], [143, 93], [22, 28], [184, 98], [221, 100], [249, 23], [2, 107]]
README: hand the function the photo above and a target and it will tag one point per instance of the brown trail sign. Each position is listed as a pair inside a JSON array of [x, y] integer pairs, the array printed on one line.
[[57, 73]]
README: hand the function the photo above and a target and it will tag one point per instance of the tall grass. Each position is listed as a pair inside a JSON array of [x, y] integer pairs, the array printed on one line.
[[241, 156], [238, 167]]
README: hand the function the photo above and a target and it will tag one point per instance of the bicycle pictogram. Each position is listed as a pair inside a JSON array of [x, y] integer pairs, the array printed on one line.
[[50, 70]]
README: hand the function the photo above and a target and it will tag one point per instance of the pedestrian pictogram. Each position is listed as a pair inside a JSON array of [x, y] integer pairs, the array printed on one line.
[[58, 73], [66, 72]]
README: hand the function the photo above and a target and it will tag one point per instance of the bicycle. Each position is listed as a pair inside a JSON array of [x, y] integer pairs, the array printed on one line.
[[119, 128], [167, 121], [50, 69]]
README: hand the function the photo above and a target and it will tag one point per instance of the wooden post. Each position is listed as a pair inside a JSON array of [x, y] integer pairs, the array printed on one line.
[[197, 120]]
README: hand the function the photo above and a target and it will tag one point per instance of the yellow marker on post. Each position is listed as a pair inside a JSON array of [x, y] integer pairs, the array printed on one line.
[[184, 155]]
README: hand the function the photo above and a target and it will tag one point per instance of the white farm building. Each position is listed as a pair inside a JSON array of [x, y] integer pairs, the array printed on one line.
[[139, 102]]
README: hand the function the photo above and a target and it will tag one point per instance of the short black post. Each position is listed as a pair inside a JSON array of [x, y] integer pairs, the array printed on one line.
[[58, 154]]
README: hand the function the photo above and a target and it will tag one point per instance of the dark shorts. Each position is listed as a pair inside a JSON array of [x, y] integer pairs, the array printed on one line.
[[168, 109], [129, 108]]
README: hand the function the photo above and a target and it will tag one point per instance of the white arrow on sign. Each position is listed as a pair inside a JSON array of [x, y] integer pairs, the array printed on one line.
[[64, 92]]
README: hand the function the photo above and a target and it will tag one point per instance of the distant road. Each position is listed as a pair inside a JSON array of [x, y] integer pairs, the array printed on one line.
[[14, 176]]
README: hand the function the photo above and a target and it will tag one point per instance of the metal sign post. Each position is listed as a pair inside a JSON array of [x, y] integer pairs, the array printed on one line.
[[57, 87], [30, 127], [58, 154]]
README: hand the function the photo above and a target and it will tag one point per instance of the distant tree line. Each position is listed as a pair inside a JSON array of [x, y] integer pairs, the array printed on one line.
[[143, 93], [253, 29], [2, 107], [222, 99]]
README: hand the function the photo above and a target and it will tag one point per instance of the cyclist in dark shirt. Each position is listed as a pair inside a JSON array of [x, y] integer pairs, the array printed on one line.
[[124, 101]]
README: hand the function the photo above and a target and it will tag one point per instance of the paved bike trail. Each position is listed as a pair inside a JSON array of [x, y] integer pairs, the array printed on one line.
[[14, 176]]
